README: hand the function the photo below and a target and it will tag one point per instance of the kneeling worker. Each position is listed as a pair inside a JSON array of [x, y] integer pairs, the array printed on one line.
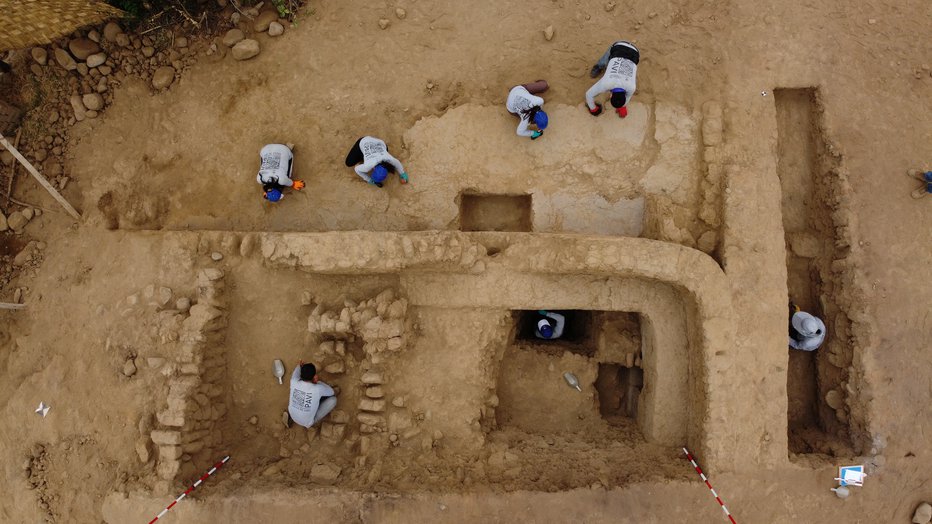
[[522, 101], [375, 163], [310, 399], [275, 171], [620, 64], [546, 329], [806, 331]]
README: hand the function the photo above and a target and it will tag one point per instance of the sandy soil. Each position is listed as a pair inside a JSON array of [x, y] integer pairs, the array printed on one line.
[[811, 181]]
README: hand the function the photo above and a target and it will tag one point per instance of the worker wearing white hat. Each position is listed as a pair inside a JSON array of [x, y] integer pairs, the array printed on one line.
[[806, 331], [549, 325]]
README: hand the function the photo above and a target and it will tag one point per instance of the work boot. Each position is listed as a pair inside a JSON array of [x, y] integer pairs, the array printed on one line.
[[596, 71], [921, 191]]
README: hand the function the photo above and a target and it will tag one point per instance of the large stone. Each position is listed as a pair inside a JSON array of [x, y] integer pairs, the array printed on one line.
[[163, 77], [80, 112], [371, 378], [246, 49], [166, 438], [64, 59], [325, 473], [233, 37], [336, 368], [923, 514], [111, 30], [17, 221], [276, 29], [82, 48], [370, 419], [40, 55], [263, 21], [167, 469], [97, 59], [93, 101], [375, 406]]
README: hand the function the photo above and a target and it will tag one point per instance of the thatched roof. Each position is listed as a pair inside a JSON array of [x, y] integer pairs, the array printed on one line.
[[25, 23]]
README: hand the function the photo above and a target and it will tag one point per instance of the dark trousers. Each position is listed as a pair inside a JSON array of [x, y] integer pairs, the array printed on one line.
[[355, 155]]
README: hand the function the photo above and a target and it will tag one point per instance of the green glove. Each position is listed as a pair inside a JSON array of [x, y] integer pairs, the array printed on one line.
[[404, 178], [542, 312], [536, 134]]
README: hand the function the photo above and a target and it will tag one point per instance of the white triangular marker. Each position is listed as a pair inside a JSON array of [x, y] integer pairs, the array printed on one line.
[[43, 409]]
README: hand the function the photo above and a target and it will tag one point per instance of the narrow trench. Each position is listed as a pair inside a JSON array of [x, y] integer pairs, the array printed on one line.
[[809, 235]]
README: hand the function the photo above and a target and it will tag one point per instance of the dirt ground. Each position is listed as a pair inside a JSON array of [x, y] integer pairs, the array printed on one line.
[[824, 108]]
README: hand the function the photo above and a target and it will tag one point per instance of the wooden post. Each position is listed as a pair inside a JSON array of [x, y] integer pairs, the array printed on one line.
[[35, 174], [7, 305]]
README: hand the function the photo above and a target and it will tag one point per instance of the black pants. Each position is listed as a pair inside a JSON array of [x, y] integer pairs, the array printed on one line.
[[355, 155]]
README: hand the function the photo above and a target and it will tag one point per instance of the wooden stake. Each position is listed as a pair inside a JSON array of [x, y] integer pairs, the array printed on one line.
[[7, 305], [9, 185], [45, 183]]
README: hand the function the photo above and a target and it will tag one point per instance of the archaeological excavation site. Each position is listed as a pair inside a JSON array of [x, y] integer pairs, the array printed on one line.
[[676, 243]]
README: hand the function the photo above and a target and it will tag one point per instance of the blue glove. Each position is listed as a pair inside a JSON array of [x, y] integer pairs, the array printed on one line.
[[542, 312], [536, 134], [404, 178]]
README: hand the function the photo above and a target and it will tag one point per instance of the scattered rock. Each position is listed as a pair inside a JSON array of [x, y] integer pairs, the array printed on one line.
[[707, 241], [105, 70], [40, 55], [78, 106], [82, 48], [28, 213], [325, 473], [375, 392], [264, 20], [216, 256], [129, 368], [82, 68], [548, 33], [91, 114], [93, 35], [609, 6], [93, 101], [181, 42], [871, 21], [375, 406], [245, 49], [336, 368], [163, 77], [155, 362], [371, 378], [3, 223], [276, 29], [122, 40], [923, 514], [148, 51], [64, 59], [111, 30], [398, 402], [253, 420], [183, 304], [384, 22], [400, 13], [834, 399], [97, 59], [17, 221]]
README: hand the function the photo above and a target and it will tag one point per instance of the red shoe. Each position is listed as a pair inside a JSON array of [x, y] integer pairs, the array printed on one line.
[[597, 111], [622, 111]]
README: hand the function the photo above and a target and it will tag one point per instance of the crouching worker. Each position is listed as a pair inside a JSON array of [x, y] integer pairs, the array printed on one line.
[[375, 163], [806, 331], [620, 64], [275, 171], [310, 399], [522, 101], [549, 325]]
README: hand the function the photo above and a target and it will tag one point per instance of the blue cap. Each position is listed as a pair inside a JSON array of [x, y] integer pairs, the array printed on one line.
[[540, 119], [546, 331], [928, 176], [618, 90], [379, 174], [273, 195]]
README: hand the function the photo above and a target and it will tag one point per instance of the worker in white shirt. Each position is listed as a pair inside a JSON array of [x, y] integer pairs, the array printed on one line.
[[807, 332], [522, 101], [549, 325], [310, 400], [375, 162], [276, 162], [620, 64]]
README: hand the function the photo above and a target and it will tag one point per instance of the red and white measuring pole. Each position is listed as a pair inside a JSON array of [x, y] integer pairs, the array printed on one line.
[[192, 488], [706, 480]]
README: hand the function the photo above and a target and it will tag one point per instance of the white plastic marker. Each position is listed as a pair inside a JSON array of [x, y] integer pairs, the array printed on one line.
[[189, 490], [278, 369], [706, 480], [43, 409]]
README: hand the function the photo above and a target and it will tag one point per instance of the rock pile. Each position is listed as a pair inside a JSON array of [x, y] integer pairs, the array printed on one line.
[[380, 325], [187, 427]]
